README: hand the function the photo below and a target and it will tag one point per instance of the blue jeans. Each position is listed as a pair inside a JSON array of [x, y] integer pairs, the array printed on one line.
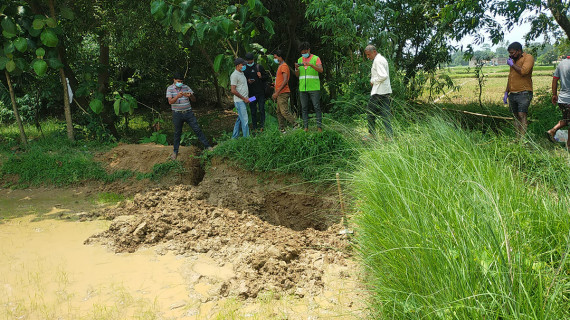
[[315, 97], [379, 106], [257, 107], [178, 119], [242, 120]]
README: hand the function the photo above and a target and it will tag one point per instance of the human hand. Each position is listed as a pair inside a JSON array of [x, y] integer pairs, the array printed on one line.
[[554, 99], [510, 61], [274, 96], [505, 97], [246, 100]]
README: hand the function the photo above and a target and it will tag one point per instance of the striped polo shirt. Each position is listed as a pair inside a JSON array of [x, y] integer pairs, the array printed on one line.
[[183, 103]]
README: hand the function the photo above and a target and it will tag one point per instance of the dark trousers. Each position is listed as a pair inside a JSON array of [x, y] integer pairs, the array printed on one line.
[[178, 118], [315, 98], [379, 106], [257, 108]]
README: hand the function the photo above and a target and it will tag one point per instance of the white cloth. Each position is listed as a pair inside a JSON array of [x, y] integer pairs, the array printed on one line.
[[380, 76]]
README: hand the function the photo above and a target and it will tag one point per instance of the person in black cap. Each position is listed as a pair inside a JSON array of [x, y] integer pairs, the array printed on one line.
[[256, 77], [241, 97], [179, 96]]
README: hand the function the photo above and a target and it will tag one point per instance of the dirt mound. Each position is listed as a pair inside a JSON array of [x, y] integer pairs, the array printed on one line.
[[264, 256], [142, 158]]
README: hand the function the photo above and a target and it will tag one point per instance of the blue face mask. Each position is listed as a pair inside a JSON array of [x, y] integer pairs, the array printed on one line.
[[179, 84], [306, 55], [276, 61], [250, 64], [242, 68]]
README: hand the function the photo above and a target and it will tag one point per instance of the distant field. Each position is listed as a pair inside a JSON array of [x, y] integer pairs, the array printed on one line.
[[494, 87]]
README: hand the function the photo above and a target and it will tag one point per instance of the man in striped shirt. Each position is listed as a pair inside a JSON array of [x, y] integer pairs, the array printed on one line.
[[179, 96]]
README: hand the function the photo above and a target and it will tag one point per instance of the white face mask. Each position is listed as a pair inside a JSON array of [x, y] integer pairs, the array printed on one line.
[[276, 61], [179, 84]]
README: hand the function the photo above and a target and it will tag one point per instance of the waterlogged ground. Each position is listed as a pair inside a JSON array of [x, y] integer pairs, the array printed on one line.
[[182, 252]]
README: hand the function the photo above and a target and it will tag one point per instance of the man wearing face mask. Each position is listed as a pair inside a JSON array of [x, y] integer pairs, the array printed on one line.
[[307, 69], [282, 92], [519, 86], [254, 73], [179, 96], [240, 91]]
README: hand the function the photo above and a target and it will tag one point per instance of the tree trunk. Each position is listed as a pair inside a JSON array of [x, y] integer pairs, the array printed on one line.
[[559, 13], [214, 77], [23, 137], [66, 104], [103, 84]]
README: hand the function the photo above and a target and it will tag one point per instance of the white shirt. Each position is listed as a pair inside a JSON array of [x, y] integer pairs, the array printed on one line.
[[380, 76]]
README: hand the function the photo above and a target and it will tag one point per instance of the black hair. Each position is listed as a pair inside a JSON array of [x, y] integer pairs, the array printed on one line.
[[304, 46], [278, 53], [515, 46], [178, 75]]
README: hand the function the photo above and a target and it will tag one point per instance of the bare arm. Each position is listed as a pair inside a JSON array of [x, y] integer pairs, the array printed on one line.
[[237, 94], [175, 98]]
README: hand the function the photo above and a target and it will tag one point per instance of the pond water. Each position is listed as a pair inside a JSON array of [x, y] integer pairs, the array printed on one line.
[[46, 272]]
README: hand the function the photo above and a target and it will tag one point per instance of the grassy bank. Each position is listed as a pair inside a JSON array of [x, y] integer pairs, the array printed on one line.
[[452, 225], [316, 156]]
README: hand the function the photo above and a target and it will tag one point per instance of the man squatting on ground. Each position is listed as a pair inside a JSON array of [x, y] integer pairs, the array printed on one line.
[[241, 93], [282, 92], [562, 74], [179, 96], [307, 69], [254, 73], [519, 86], [379, 104]]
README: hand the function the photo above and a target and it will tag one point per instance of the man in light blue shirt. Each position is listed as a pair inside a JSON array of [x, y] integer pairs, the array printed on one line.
[[562, 74]]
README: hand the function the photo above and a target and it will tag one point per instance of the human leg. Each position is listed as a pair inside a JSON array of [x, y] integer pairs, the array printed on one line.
[[261, 111], [253, 109], [190, 118], [372, 112], [316, 100], [283, 105], [304, 97], [519, 103], [565, 109], [242, 118], [386, 114], [178, 121]]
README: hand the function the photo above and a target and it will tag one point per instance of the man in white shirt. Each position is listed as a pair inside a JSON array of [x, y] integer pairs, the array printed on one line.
[[379, 104]]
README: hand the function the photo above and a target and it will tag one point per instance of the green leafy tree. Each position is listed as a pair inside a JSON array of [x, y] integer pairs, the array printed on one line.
[[225, 29]]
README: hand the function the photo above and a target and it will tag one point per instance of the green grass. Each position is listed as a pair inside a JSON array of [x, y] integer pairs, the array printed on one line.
[[449, 228], [315, 156]]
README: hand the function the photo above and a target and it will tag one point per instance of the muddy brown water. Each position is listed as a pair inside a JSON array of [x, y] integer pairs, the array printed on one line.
[[47, 272]]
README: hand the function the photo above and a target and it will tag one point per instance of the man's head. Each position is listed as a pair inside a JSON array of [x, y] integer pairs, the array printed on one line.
[[278, 55], [515, 50], [370, 52], [239, 63], [249, 58], [178, 77], [305, 49]]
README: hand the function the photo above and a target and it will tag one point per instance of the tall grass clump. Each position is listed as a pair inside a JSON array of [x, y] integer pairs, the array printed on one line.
[[446, 231], [314, 155]]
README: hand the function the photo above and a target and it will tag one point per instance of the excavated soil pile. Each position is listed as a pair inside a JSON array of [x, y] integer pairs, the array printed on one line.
[[264, 256]]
